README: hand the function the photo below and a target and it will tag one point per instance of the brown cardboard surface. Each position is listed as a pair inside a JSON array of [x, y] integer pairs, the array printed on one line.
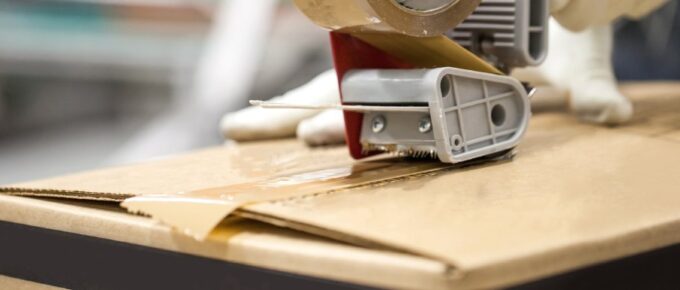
[[194, 171], [196, 191], [18, 284], [576, 194], [197, 212], [236, 240]]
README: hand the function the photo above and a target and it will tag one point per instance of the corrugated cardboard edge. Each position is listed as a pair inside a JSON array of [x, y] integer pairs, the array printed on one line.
[[66, 194], [520, 269], [452, 271], [524, 269], [266, 246], [512, 271], [7, 282]]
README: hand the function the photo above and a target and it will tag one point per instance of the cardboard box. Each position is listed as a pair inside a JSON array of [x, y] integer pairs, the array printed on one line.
[[574, 195], [18, 284], [236, 240]]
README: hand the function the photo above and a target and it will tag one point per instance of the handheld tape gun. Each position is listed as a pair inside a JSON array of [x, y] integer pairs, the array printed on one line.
[[426, 78]]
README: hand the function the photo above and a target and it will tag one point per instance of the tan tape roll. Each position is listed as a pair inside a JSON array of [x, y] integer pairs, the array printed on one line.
[[418, 18], [427, 52]]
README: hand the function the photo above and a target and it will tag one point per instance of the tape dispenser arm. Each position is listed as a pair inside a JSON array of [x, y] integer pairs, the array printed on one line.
[[468, 109]]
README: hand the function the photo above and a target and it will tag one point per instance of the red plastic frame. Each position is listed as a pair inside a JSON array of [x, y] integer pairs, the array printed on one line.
[[351, 53]]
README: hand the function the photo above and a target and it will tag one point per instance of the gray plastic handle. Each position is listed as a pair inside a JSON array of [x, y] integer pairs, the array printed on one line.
[[470, 114]]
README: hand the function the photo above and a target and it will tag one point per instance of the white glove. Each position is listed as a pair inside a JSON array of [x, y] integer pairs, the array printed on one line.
[[577, 15], [579, 57], [255, 123]]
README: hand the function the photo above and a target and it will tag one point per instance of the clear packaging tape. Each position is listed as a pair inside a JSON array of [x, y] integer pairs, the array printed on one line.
[[198, 212]]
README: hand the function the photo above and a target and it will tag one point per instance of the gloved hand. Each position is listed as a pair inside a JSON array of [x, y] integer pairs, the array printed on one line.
[[312, 126], [578, 62], [579, 57], [577, 15]]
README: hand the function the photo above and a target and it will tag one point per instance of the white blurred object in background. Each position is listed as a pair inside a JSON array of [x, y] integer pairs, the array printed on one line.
[[579, 59], [224, 75], [92, 83], [256, 123], [254, 46]]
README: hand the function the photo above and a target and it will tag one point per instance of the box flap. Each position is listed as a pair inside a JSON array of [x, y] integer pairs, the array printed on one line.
[[235, 240], [213, 167]]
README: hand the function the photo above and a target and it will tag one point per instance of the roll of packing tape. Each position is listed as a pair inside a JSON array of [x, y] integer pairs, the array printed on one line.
[[418, 18]]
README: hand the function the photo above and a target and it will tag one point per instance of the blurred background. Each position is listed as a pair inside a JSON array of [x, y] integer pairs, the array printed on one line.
[[92, 83]]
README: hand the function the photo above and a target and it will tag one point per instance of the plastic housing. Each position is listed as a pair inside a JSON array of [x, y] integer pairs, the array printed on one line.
[[509, 33], [471, 114]]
